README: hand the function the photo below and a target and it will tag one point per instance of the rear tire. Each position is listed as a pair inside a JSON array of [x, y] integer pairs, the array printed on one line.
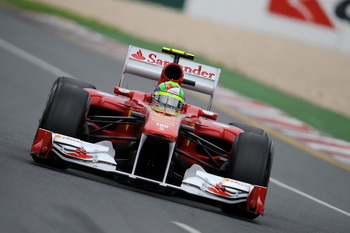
[[250, 161], [249, 129], [74, 82], [65, 114]]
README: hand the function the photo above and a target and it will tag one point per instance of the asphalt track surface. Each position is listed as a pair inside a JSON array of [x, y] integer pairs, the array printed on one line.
[[306, 194]]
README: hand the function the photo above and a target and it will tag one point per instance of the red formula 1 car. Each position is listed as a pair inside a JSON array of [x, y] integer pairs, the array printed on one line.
[[156, 138]]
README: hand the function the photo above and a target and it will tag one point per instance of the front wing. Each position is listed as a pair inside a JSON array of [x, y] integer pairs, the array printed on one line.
[[196, 181]]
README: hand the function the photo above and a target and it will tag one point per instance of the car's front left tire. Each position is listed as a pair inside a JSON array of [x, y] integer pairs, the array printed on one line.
[[250, 161]]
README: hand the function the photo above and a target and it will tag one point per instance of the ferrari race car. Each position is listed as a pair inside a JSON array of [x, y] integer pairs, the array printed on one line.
[[156, 138]]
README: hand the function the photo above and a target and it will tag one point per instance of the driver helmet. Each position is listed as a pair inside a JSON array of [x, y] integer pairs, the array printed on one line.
[[168, 97]]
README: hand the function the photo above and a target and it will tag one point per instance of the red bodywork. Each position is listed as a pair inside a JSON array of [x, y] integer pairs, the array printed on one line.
[[163, 125]]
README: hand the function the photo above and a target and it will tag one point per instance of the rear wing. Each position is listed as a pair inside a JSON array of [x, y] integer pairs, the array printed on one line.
[[149, 64]]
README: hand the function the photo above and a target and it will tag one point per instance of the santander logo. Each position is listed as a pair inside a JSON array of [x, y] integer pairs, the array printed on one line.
[[153, 59], [138, 55]]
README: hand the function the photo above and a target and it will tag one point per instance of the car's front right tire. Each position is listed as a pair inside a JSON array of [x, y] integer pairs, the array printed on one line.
[[65, 113], [66, 110]]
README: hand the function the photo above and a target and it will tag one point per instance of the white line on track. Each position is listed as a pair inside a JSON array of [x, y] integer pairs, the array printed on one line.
[[32, 59], [58, 72], [308, 196], [186, 227]]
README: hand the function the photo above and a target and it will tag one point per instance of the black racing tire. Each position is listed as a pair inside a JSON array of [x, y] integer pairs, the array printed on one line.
[[66, 110], [65, 113], [251, 162], [251, 159], [248, 128], [74, 82]]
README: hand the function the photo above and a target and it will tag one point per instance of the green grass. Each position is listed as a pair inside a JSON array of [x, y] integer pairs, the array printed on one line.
[[322, 119]]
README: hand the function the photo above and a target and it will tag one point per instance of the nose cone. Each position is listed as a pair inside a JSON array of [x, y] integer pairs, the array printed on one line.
[[162, 125]]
